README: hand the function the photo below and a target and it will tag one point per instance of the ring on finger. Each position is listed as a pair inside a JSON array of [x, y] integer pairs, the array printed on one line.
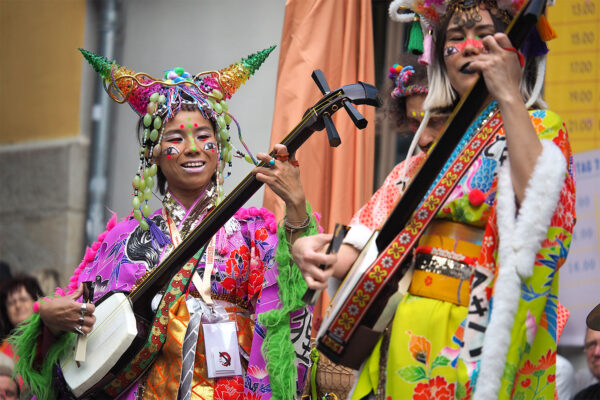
[[83, 309], [80, 320], [272, 162], [78, 330]]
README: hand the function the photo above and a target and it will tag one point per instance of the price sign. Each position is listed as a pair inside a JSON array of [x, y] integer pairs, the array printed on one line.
[[580, 275], [573, 71]]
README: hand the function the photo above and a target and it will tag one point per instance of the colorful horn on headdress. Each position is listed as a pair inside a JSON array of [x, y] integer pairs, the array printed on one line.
[[122, 84]]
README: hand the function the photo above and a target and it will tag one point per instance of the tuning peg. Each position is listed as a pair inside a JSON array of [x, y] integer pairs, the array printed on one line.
[[357, 118], [332, 133], [320, 80]]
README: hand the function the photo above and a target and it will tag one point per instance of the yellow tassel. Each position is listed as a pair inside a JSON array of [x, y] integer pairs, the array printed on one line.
[[545, 29]]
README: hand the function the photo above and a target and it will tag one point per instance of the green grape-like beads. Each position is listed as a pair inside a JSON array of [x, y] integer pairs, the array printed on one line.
[[144, 225], [147, 120], [157, 123], [217, 94], [153, 169], [146, 210], [148, 193], [224, 134], [149, 182], [221, 122], [154, 135], [137, 214], [135, 203], [228, 119], [224, 106], [136, 182], [218, 109], [154, 97], [162, 99]]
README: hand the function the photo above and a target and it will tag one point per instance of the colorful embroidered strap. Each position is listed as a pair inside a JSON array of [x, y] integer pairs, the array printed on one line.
[[379, 273], [158, 331]]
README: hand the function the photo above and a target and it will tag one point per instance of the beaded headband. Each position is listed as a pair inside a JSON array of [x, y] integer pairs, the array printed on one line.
[[157, 101], [401, 76], [434, 11]]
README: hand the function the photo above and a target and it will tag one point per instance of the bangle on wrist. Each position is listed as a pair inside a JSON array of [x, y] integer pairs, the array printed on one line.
[[294, 228]]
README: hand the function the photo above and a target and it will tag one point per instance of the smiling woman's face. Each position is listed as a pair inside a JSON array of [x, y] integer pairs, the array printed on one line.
[[189, 153], [462, 46]]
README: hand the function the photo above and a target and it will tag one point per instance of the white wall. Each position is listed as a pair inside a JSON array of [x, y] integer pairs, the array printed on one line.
[[197, 35]]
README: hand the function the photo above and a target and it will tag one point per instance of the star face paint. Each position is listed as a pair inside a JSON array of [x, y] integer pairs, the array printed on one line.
[[455, 48]]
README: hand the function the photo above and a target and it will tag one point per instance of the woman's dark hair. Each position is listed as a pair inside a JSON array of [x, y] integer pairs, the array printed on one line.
[[161, 180], [396, 106], [10, 287]]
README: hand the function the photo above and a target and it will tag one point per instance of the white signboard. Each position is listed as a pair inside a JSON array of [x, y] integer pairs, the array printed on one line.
[[579, 289]]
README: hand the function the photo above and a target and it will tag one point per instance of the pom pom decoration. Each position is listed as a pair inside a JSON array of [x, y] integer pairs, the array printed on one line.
[[545, 29], [476, 197], [399, 11]]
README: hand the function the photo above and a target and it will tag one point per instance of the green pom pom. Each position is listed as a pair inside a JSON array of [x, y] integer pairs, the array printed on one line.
[[179, 71], [415, 39]]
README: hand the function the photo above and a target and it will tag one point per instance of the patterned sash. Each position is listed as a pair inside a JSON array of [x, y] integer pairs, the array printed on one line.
[[376, 277]]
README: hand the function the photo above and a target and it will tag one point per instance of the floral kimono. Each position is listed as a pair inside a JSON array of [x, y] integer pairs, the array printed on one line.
[[244, 281], [440, 348]]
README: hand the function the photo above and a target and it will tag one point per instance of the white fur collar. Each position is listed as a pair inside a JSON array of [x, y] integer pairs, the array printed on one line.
[[521, 236]]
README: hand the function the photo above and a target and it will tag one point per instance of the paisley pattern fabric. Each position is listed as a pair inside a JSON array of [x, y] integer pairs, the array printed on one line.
[[245, 272], [436, 347]]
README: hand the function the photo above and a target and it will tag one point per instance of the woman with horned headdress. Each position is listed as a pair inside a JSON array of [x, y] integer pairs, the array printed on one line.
[[481, 316], [247, 274]]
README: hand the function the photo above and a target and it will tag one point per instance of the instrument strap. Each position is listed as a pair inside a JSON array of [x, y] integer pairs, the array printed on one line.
[[378, 274], [203, 285]]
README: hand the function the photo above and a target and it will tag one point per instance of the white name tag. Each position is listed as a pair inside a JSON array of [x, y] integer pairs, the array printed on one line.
[[222, 351]]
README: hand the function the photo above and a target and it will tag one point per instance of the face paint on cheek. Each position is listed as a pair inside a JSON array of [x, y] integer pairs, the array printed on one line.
[[460, 47], [210, 146], [170, 152]]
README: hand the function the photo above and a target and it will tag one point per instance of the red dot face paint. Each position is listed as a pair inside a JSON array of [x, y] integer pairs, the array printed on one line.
[[460, 47], [181, 126]]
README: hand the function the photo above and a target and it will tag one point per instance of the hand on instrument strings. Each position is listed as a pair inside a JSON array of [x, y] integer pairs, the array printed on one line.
[[309, 254], [500, 64], [283, 177], [67, 314]]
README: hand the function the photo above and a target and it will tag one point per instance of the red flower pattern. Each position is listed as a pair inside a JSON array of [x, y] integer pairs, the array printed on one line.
[[261, 234], [229, 388], [436, 389]]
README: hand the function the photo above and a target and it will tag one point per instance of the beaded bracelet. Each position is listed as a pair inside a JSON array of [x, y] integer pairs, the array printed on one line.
[[294, 228]]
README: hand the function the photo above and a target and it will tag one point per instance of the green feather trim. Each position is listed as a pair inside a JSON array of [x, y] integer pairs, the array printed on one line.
[[278, 348], [415, 40], [24, 342]]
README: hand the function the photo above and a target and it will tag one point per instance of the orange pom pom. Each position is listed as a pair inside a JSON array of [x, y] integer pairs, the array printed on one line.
[[545, 29]]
